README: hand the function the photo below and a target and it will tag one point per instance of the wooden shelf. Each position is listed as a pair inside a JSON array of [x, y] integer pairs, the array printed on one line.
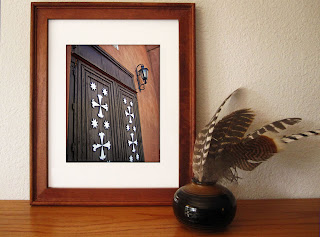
[[294, 217]]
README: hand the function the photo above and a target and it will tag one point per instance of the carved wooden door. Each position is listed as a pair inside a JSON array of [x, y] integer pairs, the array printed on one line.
[[103, 114]]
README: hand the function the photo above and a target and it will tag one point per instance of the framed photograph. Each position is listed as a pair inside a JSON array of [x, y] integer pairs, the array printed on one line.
[[112, 102]]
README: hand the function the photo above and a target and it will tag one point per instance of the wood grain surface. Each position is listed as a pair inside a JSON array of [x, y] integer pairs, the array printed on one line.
[[295, 217]]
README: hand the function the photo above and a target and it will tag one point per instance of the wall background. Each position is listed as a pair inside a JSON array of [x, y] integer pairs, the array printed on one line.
[[269, 47]]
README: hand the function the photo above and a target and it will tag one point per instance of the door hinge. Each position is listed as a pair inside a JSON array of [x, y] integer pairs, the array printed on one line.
[[74, 68]]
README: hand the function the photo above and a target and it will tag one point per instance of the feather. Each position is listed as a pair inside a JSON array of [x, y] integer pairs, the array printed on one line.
[[202, 143], [274, 127], [229, 130], [295, 137], [222, 148], [246, 155], [249, 154]]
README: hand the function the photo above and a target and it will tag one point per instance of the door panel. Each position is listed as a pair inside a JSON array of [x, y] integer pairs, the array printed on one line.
[[129, 124], [98, 118]]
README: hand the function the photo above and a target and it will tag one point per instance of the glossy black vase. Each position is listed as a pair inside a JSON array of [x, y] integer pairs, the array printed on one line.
[[206, 206]]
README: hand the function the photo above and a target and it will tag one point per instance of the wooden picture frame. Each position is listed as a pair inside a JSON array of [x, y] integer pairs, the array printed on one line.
[[41, 12]]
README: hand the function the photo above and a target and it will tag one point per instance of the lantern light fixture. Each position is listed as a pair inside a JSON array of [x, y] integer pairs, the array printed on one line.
[[143, 73]]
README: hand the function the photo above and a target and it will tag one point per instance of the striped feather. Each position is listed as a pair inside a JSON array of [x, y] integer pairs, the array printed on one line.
[[274, 127], [202, 144], [245, 155], [295, 137], [230, 130]]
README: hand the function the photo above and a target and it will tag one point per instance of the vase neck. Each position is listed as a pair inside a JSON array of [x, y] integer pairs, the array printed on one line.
[[195, 181]]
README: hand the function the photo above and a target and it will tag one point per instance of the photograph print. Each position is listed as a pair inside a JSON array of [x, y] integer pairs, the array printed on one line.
[[113, 103]]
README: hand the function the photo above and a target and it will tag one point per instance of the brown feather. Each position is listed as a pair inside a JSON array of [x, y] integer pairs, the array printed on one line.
[[244, 155], [230, 130]]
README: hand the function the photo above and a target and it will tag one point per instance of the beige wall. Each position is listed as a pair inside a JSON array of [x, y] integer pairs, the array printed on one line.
[[270, 47]]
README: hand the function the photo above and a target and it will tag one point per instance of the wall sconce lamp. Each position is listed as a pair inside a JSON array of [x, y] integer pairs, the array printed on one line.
[[143, 73]]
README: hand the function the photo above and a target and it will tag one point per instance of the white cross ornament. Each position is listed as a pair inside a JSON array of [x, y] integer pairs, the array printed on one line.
[[132, 142], [131, 115], [100, 105], [101, 145]]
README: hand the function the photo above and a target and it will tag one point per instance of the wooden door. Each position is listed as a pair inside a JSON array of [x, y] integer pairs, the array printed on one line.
[[103, 113]]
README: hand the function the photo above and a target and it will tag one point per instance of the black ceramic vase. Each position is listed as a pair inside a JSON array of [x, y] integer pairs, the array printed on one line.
[[206, 206]]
